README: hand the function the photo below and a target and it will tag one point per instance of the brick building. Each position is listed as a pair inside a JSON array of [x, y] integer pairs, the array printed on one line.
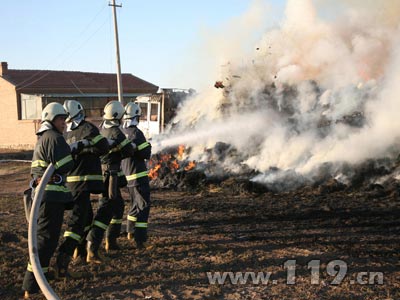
[[24, 93]]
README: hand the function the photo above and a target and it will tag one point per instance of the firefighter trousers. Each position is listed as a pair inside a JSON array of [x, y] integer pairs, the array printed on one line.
[[114, 229], [75, 233], [50, 220], [139, 211], [108, 209]]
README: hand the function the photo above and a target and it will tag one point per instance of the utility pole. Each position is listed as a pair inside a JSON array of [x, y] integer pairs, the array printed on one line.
[[119, 78]]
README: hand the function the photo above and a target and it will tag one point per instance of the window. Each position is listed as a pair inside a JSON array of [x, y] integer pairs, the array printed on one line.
[[143, 107], [31, 107], [154, 112], [93, 106]]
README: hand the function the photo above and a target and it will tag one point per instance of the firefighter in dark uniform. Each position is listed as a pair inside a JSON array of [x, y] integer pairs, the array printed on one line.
[[87, 145], [136, 173], [111, 208], [51, 147]]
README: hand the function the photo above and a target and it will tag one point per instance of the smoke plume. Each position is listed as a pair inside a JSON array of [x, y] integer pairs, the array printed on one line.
[[320, 89]]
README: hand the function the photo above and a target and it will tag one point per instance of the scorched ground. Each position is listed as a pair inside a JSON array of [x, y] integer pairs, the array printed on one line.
[[225, 228]]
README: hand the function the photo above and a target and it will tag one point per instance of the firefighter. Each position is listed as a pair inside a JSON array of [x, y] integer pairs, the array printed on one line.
[[136, 173], [85, 178], [111, 207], [51, 147]]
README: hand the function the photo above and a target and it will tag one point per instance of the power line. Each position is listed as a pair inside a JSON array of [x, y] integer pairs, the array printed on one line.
[[48, 72], [62, 52], [66, 59], [79, 90]]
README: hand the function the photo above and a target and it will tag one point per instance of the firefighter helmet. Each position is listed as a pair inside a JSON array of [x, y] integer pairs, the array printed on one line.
[[73, 109], [53, 110], [132, 110], [113, 111]]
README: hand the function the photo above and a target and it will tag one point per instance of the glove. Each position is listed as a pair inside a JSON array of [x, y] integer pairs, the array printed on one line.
[[111, 142], [78, 146], [85, 143]]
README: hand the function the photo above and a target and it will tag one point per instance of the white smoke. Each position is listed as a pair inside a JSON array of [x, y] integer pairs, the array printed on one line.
[[293, 103]]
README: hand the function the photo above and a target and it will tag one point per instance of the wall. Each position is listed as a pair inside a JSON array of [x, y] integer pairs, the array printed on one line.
[[14, 133]]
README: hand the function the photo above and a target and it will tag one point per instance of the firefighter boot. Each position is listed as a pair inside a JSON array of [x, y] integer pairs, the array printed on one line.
[[141, 238], [111, 244], [93, 253], [80, 252], [140, 245], [61, 268]]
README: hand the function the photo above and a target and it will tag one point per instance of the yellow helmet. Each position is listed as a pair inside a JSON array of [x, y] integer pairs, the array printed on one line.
[[132, 110], [113, 111], [53, 110]]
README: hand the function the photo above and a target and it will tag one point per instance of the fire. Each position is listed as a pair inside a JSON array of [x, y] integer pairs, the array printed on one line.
[[190, 166], [173, 162], [165, 157], [153, 173], [155, 166], [181, 150], [174, 165]]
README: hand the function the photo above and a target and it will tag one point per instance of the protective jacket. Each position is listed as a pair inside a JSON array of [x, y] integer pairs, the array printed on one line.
[[52, 148], [134, 166], [121, 148], [87, 173]]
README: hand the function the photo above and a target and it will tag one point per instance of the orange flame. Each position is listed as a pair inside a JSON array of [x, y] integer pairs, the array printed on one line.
[[174, 165], [168, 160], [153, 173], [181, 150], [165, 157], [190, 166]]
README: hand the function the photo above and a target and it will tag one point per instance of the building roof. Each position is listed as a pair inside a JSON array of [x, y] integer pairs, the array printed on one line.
[[44, 81]]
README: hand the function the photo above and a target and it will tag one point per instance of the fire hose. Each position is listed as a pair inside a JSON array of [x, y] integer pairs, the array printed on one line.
[[33, 219], [32, 231], [32, 236]]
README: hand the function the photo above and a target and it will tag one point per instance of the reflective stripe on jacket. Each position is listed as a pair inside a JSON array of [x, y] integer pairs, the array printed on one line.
[[87, 173], [122, 147], [134, 166], [51, 147]]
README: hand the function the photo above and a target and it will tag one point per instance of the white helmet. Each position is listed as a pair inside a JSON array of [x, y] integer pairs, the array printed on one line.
[[113, 111], [73, 109], [53, 110], [132, 110]]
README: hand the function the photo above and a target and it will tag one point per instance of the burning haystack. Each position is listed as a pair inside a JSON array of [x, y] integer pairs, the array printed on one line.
[[316, 101]]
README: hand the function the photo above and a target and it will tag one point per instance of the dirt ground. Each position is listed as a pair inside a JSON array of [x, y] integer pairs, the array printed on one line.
[[217, 231]]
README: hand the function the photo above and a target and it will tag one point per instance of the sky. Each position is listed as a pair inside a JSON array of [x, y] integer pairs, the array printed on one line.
[[164, 42]]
